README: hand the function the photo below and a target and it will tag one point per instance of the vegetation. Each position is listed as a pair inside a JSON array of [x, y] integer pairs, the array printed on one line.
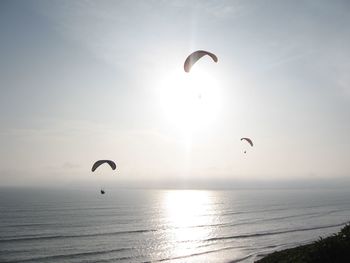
[[333, 249]]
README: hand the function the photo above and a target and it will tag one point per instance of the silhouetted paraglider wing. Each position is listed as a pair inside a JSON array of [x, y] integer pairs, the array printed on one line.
[[248, 140], [100, 162], [195, 56]]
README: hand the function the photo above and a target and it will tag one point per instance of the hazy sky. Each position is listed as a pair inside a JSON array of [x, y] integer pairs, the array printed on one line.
[[88, 80]]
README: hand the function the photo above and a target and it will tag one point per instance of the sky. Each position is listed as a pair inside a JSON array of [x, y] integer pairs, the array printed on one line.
[[88, 80]]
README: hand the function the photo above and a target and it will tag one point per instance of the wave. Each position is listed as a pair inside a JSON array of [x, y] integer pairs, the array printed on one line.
[[275, 232], [308, 215], [231, 224], [282, 209], [75, 255], [31, 237], [74, 236], [213, 251], [29, 225], [201, 253]]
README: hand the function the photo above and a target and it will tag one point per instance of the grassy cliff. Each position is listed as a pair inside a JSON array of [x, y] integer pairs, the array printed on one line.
[[333, 249]]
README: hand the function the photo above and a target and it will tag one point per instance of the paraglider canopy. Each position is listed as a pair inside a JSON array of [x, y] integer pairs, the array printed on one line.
[[195, 56], [100, 162], [248, 140]]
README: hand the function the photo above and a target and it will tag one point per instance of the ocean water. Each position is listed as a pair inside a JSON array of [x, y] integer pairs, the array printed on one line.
[[39, 225]]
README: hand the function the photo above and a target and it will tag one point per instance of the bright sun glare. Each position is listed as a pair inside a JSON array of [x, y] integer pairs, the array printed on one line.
[[190, 101], [187, 212]]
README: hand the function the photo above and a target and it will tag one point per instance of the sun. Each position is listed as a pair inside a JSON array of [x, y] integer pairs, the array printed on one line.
[[191, 101]]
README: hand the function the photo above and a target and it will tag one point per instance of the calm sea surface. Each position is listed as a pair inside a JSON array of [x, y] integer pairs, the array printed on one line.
[[163, 225]]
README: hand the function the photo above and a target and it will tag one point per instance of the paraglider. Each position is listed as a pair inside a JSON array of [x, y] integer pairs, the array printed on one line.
[[248, 140], [100, 162], [195, 56]]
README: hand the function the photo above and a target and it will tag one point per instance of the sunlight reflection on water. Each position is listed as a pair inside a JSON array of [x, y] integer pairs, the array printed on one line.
[[185, 213]]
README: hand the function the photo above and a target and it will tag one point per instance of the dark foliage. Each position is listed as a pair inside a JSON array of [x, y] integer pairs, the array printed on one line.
[[333, 249]]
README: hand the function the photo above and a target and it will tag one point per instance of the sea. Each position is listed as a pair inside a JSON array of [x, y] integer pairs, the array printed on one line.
[[134, 225]]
